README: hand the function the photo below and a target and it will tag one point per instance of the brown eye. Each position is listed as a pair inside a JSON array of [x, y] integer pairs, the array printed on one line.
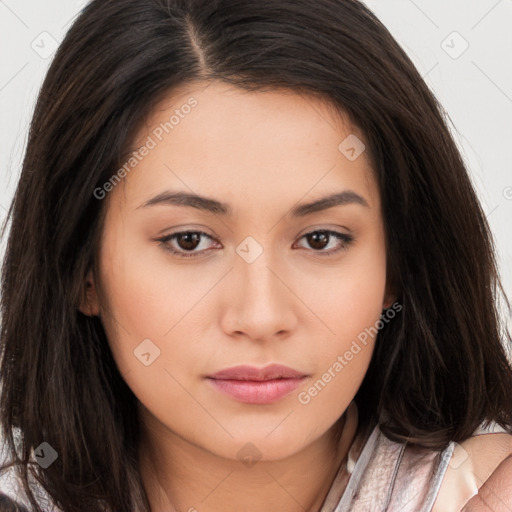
[[320, 239], [185, 243], [188, 241]]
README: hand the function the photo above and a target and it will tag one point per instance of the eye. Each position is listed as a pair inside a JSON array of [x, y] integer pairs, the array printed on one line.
[[320, 239], [187, 242]]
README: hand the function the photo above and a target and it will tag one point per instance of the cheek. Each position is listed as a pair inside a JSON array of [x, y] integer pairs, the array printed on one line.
[[145, 295], [350, 305], [342, 359], [331, 390], [155, 307], [349, 296], [146, 323]]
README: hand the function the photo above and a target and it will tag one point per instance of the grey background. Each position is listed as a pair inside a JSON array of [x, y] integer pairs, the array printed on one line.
[[474, 85]]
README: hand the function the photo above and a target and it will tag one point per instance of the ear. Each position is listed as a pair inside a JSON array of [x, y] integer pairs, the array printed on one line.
[[89, 305], [391, 291], [389, 299], [390, 296]]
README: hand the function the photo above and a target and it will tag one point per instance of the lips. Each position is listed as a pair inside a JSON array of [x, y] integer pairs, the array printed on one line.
[[270, 372], [257, 385]]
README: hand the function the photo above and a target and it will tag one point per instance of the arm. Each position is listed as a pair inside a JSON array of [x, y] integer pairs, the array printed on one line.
[[480, 468], [495, 495]]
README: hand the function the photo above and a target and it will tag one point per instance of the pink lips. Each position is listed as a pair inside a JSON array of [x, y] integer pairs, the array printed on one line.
[[257, 386]]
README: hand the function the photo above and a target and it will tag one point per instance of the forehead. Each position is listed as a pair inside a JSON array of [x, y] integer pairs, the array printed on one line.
[[273, 146]]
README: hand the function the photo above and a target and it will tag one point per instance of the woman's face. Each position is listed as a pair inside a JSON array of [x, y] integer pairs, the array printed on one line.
[[263, 285]]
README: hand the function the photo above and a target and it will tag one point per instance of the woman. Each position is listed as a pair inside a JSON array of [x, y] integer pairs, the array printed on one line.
[[249, 271]]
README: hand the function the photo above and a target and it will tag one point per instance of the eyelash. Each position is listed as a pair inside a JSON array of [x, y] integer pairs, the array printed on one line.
[[346, 239]]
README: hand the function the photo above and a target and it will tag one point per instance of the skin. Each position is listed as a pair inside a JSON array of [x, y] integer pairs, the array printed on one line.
[[495, 495], [263, 153], [478, 478]]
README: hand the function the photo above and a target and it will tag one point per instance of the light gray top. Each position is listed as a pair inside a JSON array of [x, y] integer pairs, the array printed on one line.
[[389, 476]]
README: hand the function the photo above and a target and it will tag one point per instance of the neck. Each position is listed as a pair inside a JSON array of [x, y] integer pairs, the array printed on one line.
[[180, 476]]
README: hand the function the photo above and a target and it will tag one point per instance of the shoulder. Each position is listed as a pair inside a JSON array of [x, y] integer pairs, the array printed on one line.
[[9, 505], [471, 465], [12, 496]]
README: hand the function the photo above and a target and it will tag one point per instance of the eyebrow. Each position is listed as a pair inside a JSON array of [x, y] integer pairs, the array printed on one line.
[[213, 206]]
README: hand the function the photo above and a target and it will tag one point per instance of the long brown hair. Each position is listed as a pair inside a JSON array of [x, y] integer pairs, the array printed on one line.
[[439, 369]]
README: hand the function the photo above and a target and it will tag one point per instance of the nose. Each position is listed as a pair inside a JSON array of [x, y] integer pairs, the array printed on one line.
[[260, 303]]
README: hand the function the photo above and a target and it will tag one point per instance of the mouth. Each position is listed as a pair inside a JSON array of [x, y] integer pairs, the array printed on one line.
[[253, 385]]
